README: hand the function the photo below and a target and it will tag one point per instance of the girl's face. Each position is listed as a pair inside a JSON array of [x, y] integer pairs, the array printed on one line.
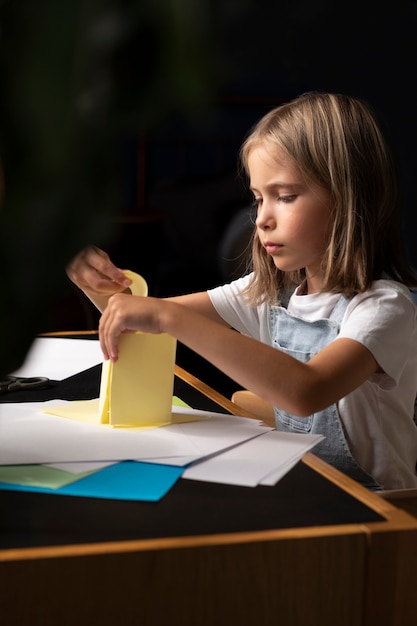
[[293, 215]]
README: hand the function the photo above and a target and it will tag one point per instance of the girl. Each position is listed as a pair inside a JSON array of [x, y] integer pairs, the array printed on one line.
[[327, 326]]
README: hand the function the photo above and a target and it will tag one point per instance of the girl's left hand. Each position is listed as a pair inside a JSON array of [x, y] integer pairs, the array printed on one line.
[[127, 314]]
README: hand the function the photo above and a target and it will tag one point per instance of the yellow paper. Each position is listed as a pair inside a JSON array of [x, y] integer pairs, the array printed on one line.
[[139, 286], [137, 389], [104, 397], [87, 411]]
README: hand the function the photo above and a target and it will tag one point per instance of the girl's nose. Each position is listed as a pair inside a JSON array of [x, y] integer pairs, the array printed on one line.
[[265, 219]]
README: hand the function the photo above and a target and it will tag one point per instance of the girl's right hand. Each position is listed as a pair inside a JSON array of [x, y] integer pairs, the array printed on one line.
[[94, 273]]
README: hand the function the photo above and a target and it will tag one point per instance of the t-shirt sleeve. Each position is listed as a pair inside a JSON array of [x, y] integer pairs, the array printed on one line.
[[383, 319], [233, 308]]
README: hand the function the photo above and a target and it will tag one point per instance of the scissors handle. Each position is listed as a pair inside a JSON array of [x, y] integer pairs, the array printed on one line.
[[15, 383]]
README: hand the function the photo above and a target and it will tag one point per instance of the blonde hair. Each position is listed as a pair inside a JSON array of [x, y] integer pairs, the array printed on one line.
[[337, 143]]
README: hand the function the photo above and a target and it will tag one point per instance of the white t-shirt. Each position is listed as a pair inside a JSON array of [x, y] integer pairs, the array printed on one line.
[[378, 416]]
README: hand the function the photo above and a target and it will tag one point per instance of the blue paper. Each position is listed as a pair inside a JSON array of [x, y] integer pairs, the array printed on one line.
[[128, 480]]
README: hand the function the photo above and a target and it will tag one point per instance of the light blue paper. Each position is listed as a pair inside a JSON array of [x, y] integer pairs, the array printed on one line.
[[128, 480]]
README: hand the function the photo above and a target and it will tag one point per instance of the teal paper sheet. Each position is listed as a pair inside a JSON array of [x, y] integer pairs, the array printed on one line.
[[128, 480]]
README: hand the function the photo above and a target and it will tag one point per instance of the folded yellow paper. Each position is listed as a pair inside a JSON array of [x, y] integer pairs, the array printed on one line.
[[137, 389]]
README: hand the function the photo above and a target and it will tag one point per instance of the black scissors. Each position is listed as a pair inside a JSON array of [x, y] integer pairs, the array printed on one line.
[[17, 383]]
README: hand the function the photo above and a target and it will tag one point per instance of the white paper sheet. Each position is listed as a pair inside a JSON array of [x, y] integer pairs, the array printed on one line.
[[57, 358], [264, 457], [28, 435]]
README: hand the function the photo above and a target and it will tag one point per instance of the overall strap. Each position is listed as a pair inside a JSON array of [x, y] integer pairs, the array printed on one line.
[[340, 309], [285, 296]]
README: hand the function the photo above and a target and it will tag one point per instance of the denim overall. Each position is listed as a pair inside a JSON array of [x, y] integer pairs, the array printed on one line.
[[302, 340]]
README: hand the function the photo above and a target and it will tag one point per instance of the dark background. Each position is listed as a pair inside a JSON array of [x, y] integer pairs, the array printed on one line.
[[121, 124]]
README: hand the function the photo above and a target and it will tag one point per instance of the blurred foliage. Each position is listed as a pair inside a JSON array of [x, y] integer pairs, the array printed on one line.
[[76, 77]]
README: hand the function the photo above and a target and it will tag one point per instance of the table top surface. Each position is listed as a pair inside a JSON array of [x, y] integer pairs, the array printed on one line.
[[303, 498]]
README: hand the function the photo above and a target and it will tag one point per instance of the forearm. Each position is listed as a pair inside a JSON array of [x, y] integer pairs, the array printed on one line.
[[280, 379], [199, 302], [269, 373], [100, 302]]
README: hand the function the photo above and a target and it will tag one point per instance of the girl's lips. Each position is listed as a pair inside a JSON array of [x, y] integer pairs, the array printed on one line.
[[272, 248]]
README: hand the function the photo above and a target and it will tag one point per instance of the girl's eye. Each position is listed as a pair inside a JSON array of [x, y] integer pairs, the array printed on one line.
[[257, 202], [287, 199]]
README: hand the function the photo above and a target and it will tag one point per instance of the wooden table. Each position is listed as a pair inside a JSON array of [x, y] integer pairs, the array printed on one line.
[[317, 549]]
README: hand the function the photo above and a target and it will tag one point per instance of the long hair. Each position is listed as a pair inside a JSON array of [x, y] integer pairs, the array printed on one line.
[[337, 143]]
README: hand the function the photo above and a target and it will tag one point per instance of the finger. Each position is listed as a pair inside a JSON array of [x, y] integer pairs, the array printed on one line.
[[101, 263], [111, 325]]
